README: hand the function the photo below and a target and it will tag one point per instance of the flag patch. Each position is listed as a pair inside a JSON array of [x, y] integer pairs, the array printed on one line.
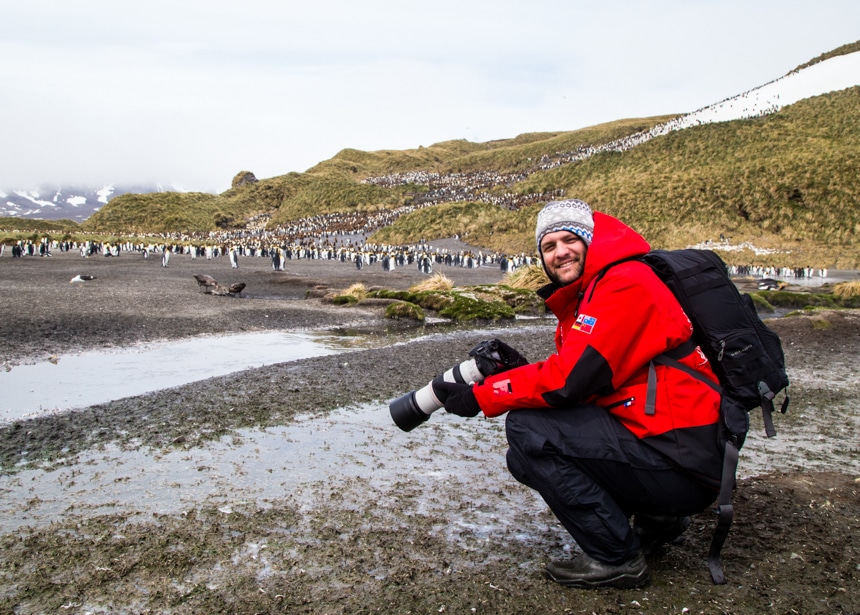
[[503, 387], [584, 323]]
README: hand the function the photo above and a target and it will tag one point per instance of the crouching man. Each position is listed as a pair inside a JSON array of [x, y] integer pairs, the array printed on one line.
[[584, 427]]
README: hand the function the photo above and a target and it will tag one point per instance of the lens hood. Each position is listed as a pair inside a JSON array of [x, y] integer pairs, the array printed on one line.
[[405, 412]]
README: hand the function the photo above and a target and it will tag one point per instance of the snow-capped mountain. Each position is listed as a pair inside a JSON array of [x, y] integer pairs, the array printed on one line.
[[75, 203]]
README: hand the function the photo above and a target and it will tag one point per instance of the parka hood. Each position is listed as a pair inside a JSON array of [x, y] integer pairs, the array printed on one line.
[[613, 241]]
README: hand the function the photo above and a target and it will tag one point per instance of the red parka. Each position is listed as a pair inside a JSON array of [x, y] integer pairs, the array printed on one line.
[[610, 325]]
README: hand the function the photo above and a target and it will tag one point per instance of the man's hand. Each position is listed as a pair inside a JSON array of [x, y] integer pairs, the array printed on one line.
[[495, 356], [458, 398]]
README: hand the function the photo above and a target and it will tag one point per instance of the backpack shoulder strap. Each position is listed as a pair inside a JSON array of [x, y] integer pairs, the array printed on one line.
[[670, 359], [725, 509], [593, 284], [725, 512]]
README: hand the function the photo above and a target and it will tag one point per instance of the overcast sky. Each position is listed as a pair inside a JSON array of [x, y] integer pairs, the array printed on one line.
[[188, 93]]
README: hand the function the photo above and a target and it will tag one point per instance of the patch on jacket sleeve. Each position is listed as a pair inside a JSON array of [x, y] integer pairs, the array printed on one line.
[[502, 387], [584, 324]]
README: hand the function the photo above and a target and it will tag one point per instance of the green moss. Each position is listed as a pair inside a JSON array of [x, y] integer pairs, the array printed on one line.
[[472, 303], [850, 302], [404, 309], [786, 299], [804, 301], [821, 323], [761, 304], [466, 307]]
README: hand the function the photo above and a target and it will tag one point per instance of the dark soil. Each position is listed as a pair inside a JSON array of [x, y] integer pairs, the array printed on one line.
[[424, 522]]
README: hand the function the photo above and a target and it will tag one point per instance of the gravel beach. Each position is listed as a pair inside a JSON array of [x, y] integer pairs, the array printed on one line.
[[287, 489]]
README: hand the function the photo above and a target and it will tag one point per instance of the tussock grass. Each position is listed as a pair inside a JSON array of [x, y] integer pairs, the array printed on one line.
[[782, 180], [357, 290], [528, 278], [847, 289], [438, 281]]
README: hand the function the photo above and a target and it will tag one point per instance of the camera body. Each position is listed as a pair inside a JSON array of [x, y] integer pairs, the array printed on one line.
[[487, 358]]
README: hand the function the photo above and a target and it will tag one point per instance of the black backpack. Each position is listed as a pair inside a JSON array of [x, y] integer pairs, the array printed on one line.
[[744, 353]]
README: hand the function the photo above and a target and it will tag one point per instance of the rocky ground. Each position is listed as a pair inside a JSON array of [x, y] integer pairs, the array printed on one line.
[[287, 488]]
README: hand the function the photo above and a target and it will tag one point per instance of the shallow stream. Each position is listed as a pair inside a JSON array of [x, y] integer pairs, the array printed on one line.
[[356, 452], [75, 381]]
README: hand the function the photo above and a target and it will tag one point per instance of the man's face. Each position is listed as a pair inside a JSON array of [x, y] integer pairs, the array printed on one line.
[[563, 256]]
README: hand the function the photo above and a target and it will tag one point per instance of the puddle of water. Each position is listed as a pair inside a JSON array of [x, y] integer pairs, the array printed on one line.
[[358, 456], [357, 452], [80, 380]]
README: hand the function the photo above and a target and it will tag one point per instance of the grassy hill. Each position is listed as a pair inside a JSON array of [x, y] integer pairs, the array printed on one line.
[[38, 226], [787, 179], [784, 181], [334, 185], [15, 229], [157, 212]]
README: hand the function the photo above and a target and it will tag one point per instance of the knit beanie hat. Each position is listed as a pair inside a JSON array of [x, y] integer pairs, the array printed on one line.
[[568, 215]]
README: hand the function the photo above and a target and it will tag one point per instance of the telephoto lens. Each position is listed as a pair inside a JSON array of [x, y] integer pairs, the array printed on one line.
[[487, 358], [410, 410]]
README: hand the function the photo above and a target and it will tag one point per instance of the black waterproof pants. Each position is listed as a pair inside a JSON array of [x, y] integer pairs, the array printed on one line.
[[594, 474]]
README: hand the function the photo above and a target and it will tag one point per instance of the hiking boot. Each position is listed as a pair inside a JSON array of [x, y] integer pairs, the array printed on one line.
[[657, 530], [584, 571]]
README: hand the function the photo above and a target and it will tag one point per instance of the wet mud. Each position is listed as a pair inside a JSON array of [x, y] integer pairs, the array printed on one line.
[[286, 488]]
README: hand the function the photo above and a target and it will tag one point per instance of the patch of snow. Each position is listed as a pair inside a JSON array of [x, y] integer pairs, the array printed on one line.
[[104, 193], [831, 75], [33, 197]]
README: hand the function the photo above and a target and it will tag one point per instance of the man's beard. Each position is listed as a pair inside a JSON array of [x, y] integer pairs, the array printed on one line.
[[579, 268]]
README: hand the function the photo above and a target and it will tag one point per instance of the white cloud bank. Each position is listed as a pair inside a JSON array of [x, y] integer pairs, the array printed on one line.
[[189, 93]]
